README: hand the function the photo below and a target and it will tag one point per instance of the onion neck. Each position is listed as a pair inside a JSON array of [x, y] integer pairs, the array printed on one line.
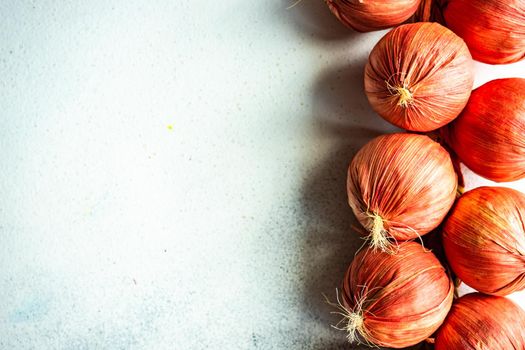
[[354, 326], [378, 234], [405, 96]]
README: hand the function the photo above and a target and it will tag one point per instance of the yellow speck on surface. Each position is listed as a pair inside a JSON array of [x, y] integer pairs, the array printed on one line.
[[170, 127]]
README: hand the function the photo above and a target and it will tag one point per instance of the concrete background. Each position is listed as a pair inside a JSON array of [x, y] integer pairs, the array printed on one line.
[[172, 173]]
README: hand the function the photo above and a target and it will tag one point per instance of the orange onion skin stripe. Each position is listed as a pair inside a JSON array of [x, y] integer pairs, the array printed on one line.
[[479, 322], [404, 297], [484, 240]]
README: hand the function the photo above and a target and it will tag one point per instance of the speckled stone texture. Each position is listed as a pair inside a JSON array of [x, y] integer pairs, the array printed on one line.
[[172, 173]]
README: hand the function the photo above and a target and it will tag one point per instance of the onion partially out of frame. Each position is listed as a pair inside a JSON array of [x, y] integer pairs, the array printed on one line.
[[395, 300], [482, 322], [370, 15], [484, 240], [494, 30], [489, 135]]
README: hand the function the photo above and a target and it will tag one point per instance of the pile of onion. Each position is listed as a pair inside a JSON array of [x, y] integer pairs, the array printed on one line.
[[395, 300], [484, 240], [365, 16], [494, 30], [419, 76], [489, 135], [400, 186], [482, 322]]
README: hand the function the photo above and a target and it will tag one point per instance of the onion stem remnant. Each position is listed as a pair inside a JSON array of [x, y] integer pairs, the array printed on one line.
[[405, 97], [378, 234]]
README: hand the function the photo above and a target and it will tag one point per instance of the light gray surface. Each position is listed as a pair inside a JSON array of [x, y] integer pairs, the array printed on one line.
[[172, 172]]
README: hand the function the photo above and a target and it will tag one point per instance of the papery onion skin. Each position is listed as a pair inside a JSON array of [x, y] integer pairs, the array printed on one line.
[[370, 15], [419, 76], [494, 30], [484, 240], [482, 322], [401, 298], [407, 180], [429, 11], [489, 135]]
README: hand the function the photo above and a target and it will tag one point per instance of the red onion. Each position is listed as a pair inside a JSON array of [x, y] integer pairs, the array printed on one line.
[[395, 300], [369, 15], [400, 186], [482, 322], [484, 240], [489, 135], [419, 76], [494, 30]]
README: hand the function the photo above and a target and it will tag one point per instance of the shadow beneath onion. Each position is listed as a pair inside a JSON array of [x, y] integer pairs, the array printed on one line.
[[314, 17], [328, 243], [342, 115]]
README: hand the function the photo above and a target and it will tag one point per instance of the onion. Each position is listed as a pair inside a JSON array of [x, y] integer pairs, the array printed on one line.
[[400, 186], [489, 135], [482, 322], [365, 16], [484, 240], [395, 300], [419, 76], [494, 30]]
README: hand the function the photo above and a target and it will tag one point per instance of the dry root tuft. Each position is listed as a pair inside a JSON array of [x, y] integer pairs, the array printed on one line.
[[352, 322], [405, 97], [378, 235]]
